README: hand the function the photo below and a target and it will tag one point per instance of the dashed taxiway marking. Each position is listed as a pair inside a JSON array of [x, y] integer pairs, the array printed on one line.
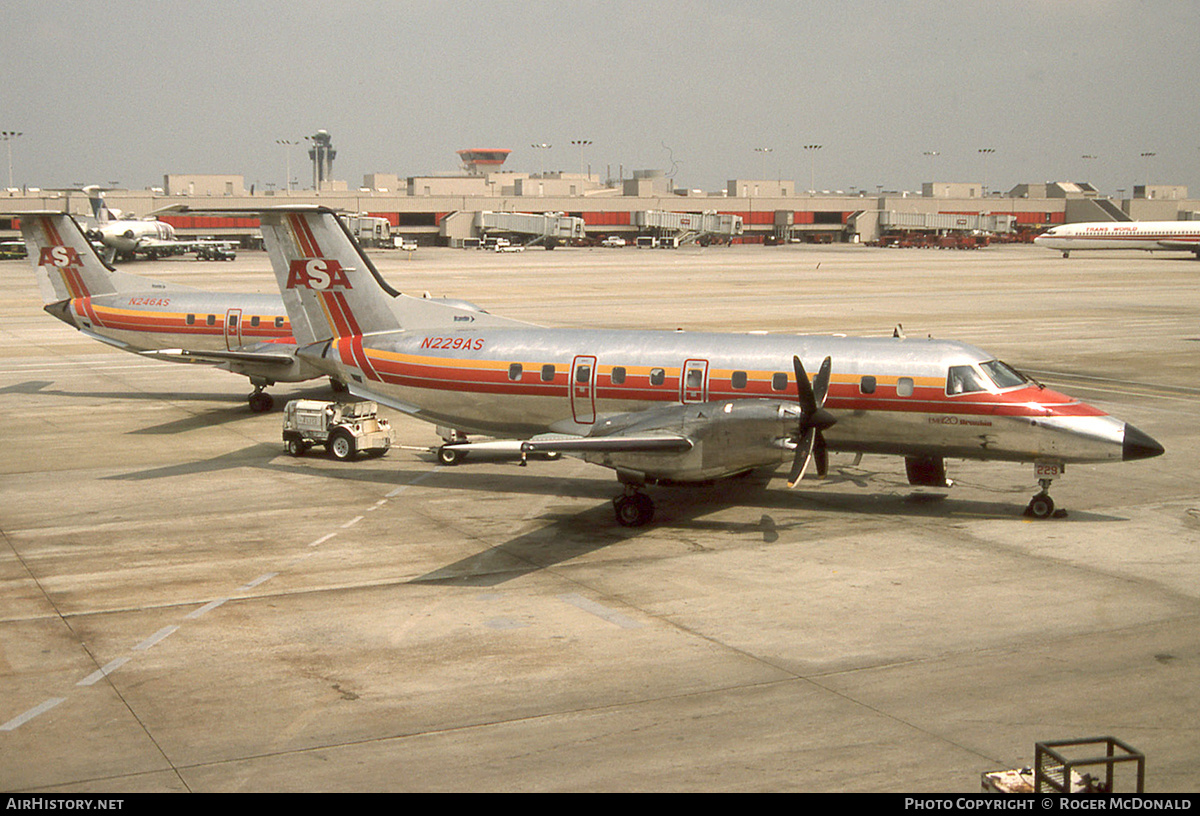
[[164, 633]]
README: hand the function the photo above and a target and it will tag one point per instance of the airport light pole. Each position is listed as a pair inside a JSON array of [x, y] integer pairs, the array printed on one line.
[[812, 166], [985, 152], [287, 151], [931, 154], [581, 143], [764, 151], [1147, 155], [542, 162], [8, 136]]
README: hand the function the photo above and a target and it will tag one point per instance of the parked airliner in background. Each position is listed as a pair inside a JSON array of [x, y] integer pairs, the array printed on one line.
[[244, 333], [669, 406], [1150, 236], [125, 238]]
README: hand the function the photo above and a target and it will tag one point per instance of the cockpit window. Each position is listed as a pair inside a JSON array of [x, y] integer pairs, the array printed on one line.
[[1003, 375], [965, 379], [995, 375]]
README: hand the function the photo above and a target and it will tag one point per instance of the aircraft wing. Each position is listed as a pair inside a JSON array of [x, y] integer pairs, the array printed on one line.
[[647, 442], [1182, 244]]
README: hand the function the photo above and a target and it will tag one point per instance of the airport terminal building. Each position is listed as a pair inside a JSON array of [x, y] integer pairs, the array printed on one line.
[[646, 209]]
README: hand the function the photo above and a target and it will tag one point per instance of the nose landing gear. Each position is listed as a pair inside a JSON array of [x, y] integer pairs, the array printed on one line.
[[1041, 506]]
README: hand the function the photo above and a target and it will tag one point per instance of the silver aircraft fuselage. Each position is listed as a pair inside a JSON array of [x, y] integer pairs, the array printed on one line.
[[888, 395]]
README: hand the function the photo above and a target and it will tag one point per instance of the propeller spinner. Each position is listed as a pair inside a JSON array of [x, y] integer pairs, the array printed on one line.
[[814, 419]]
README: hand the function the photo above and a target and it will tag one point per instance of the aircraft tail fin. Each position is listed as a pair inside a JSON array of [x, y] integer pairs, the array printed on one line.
[[100, 210], [66, 264], [329, 286]]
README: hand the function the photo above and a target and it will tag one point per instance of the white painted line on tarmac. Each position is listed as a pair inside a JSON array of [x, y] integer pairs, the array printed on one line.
[[262, 579], [322, 539], [157, 637], [21, 719], [600, 611], [204, 610], [104, 671], [352, 522], [417, 480]]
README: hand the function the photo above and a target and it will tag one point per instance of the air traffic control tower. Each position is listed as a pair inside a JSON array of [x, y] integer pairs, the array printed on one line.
[[478, 161], [322, 155]]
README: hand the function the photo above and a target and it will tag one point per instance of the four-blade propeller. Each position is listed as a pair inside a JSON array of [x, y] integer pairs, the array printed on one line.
[[810, 443]]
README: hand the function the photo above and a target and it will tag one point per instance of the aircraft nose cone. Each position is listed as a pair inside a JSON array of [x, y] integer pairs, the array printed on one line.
[[1138, 445]]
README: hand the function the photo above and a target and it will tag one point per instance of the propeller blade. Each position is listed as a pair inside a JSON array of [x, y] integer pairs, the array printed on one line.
[[804, 455], [821, 455], [808, 401], [820, 383]]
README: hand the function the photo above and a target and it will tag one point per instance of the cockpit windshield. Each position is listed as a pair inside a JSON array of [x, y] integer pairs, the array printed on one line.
[[1003, 375], [990, 376]]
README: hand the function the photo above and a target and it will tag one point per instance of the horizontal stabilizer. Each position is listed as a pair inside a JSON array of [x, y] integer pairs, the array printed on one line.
[[180, 355]]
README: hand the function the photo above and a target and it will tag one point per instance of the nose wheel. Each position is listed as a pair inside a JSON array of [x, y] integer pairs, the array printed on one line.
[[1041, 506]]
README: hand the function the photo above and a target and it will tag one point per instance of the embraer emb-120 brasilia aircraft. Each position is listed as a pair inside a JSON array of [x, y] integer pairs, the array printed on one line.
[[1149, 236], [244, 333], [667, 406]]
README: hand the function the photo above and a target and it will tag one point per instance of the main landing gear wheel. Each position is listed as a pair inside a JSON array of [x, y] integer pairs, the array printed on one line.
[[260, 401], [633, 509]]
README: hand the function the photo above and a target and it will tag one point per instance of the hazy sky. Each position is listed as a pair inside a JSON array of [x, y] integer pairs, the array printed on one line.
[[128, 91]]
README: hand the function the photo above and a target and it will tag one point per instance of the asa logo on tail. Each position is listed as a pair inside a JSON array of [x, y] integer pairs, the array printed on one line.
[[58, 256], [317, 273]]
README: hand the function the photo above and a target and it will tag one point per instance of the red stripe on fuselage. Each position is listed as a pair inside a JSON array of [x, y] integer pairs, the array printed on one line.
[[1022, 402]]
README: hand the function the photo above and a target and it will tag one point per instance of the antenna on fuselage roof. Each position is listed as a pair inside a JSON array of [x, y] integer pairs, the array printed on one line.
[[898, 332]]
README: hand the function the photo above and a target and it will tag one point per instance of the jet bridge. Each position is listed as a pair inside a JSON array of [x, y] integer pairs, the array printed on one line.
[[548, 229], [688, 227]]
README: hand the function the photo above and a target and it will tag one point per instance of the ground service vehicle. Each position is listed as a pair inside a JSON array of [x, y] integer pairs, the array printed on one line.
[[344, 428]]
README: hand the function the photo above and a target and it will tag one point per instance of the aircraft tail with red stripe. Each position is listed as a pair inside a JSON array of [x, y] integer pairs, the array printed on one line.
[[66, 264], [331, 289]]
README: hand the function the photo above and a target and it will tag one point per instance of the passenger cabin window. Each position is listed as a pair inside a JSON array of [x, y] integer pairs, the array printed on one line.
[[964, 379], [211, 320], [904, 387], [232, 320], [548, 373], [191, 320], [657, 376], [779, 381], [254, 320], [583, 374], [738, 380], [867, 385], [279, 322], [514, 372], [618, 375], [695, 378]]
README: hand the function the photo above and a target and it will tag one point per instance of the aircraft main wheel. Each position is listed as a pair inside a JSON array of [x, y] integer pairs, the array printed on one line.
[[261, 402], [1040, 507], [634, 511], [340, 446], [449, 455]]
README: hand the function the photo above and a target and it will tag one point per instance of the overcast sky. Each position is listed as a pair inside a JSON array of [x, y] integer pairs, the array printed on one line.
[[129, 91]]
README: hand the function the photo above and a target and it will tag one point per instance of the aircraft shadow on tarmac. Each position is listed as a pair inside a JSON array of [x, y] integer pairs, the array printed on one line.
[[206, 418], [567, 536]]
